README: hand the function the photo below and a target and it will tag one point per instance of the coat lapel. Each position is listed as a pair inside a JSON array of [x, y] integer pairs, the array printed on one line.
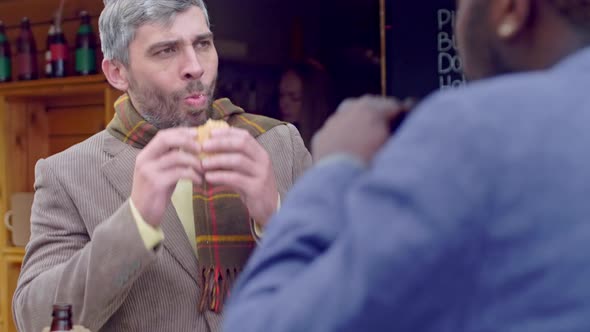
[[119, 171]]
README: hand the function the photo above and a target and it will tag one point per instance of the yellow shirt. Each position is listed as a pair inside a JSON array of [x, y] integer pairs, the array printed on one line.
[[182, 200]]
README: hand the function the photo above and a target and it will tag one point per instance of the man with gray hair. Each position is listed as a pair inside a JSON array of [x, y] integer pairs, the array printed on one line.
[[135, 227]]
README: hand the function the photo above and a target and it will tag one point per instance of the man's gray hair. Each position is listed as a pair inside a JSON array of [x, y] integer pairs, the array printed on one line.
[[120, 19]]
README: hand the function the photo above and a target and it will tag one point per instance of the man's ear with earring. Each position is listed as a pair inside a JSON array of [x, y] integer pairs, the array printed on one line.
[[507, 29]]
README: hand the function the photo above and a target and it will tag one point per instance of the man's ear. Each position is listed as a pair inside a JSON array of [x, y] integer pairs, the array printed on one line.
[[116, 74], [510, 17]]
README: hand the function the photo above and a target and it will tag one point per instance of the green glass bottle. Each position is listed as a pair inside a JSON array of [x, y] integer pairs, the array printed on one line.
[[5, 56], [85, 47]]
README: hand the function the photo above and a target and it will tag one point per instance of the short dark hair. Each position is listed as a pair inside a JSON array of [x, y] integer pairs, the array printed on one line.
[[577, 12]]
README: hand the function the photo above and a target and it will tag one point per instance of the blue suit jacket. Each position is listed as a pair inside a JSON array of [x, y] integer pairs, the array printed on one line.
[[474, 217]]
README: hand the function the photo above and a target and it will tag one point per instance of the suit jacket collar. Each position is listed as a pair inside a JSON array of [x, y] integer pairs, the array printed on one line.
[[576, 61], [119, 171]]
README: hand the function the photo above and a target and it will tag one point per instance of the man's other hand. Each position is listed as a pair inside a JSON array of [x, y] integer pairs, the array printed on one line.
[[358, 128], [238, 161]]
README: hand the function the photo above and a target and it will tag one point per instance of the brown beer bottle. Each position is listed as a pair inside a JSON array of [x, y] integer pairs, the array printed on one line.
[[5, 56], [26, 53], [62, 318]]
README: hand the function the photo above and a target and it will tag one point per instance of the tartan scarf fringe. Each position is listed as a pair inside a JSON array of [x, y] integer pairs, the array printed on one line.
[[217, 283]]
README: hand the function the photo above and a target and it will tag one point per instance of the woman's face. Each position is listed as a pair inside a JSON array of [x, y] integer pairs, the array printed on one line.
[[290, 97]]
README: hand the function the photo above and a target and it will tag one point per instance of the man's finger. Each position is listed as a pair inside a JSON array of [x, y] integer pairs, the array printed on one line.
[[234, 180], [236, 162], [172, 139], [179, 158], [232, 140], [170, 177], [409, 103]]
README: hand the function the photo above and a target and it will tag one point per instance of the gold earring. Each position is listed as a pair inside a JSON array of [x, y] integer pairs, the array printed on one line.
[[507, 29]]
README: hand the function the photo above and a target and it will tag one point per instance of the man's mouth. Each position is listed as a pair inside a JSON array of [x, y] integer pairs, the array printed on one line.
[[198, 100]]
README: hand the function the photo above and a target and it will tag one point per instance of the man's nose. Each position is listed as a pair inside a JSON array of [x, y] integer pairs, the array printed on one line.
[[192, 68]]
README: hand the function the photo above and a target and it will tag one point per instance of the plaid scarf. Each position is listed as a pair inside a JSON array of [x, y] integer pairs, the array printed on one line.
[[222, 222]]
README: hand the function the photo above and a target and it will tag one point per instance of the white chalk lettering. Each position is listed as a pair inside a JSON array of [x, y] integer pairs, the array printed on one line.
[[446, 42], [451, 82], [450, 68], [445, 17], [448, 63]]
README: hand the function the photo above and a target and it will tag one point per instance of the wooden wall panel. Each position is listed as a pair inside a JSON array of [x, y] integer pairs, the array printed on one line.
[[4, 169], [17, 160], [28, 132], [83, 120], [89, 99], [38, 131], [60, 143], [10, 270], [73, 124]]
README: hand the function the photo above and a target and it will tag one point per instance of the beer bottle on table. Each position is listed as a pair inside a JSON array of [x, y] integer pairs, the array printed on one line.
[[5, 56], [26, 53], [85, 47], [62, 318]]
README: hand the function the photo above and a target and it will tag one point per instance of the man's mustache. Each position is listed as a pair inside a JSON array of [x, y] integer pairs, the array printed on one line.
[[196, 87]]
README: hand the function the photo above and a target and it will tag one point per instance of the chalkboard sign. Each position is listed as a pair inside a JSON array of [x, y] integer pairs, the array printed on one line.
[[421, 50]]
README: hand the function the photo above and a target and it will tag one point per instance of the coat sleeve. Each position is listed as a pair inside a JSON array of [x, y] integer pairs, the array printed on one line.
[[351, 247], [63, 263], [290, 159], [301, 156]]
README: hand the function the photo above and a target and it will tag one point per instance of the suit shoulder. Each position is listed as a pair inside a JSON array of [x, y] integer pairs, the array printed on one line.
[[506, 90], [90, 150], [284, 131], [272, 128], [264, 123], [494, 102], [258, 117]]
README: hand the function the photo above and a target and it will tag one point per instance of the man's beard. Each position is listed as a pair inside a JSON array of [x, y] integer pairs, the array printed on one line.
[[168, 111]]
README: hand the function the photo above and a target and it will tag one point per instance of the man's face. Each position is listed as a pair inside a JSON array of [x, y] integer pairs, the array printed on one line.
[[478, 47], [173, 70]]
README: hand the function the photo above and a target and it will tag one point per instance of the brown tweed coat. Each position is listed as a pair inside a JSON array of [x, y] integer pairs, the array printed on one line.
[[85, 248]]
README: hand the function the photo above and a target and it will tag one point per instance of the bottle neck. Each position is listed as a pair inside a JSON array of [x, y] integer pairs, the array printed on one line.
[[25, 25], [61, 324]]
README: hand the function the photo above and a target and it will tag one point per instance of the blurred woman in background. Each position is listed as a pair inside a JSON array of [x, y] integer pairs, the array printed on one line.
[[305, 97]]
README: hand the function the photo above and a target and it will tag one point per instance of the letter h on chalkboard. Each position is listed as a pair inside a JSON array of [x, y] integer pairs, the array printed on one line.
[[420, 47]]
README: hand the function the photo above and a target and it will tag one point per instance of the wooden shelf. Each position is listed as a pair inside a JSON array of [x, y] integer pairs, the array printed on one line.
[[13, 255], [14, 251], [52, 86]]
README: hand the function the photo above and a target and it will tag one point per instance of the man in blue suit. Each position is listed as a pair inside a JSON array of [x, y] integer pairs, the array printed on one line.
[[475, 216]]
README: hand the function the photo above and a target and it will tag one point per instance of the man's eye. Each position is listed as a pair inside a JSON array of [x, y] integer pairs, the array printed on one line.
[[166, 51], [204, 44]]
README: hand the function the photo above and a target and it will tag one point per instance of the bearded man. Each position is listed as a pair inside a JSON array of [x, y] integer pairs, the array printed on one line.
[[131, 226]]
